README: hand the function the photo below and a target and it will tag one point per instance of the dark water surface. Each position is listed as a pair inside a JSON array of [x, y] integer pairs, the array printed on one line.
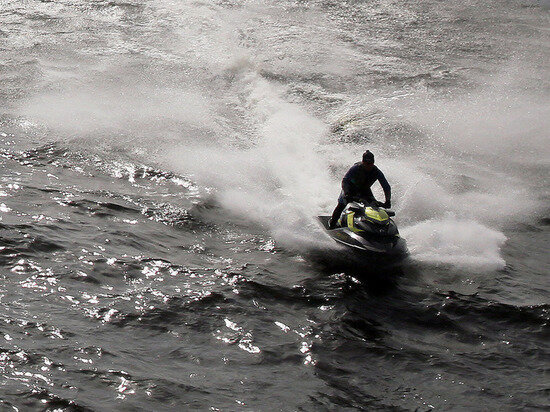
[[161, 163]]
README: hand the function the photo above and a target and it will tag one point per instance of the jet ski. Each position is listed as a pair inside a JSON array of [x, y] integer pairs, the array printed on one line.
[[367, 228]]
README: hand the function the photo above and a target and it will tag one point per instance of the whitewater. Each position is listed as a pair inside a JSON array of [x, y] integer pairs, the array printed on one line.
[[161, 166]]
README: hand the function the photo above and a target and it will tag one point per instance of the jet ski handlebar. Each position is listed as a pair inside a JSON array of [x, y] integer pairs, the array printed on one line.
[[374, 203]]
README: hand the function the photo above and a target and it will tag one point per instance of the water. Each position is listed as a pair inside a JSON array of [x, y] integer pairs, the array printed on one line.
[[160, 166]]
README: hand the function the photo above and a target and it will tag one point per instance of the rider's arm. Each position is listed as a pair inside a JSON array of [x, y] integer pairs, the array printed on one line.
[[385, 186]]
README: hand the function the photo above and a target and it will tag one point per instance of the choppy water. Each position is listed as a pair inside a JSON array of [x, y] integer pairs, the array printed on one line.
[[160, 166]]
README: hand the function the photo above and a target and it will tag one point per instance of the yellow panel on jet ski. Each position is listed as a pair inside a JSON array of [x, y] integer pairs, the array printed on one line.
[[351, 224], [379, 215]]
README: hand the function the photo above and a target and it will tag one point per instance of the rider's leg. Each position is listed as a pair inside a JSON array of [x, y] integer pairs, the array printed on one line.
[[342, 202], [336, 215]]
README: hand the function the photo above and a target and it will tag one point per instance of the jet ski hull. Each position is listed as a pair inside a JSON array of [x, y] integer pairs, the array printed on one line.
[[395, 248]]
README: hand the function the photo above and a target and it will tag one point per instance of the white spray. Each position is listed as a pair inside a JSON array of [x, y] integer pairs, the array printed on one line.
[[275, 170]]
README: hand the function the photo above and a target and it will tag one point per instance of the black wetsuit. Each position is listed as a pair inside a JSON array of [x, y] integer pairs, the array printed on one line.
[[356, 184]]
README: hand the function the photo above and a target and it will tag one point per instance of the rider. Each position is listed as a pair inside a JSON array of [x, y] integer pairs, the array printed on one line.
[[356, 185]]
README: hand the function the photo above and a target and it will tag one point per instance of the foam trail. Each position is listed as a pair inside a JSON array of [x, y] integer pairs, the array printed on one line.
[[276, 170], [501, 119], [454, 241], [282, 179], [472, 168]]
